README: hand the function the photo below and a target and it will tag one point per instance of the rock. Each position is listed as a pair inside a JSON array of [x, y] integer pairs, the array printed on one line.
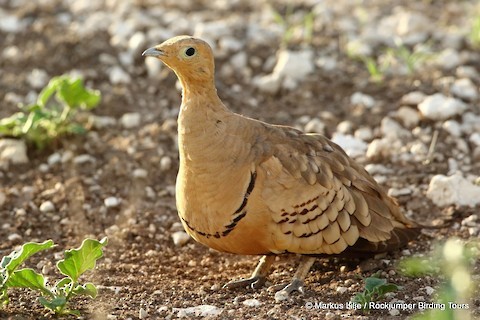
[[362, 99], [345, 127], [408, 116], [315, 125], [455, 189], [408, 27], [111, 202], [54, 158], [252, 303], [294, 65], [13, 237], [475, 138], [467, 72], [471, 221], [3, 199], [180, 238], [198, 311], [429, 290], [394, 312], [153, 66], [330, 315], [395, 192], [130, 120], [364, 133], [10, 23], [341, 289], [137, 42], [82, 159], [448, 59], [269, 83], [100, 122], [12, 151], [117, 75], [413, 98], [140, 173], [354, 147], [379, 148], [165, 163], [142, 313], [38, 78], [392, 130], [239, 61], [439, 107], [47, 206], [326, 63], [281, 295], [453, 128], [464, 89]]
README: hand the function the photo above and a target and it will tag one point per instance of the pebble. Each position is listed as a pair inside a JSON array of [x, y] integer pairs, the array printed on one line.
[[455, 189], [408, 27], [394, 312], [54, 158], [429, 290], [326, 63], [464, 89], [142, 313], [345, 127], [452, 127], [281, 295], [117, 75], [448, 59], [364, 133], [341, 289], [329, 315], [269, 83], [10, 23], [140, 173], [100, 122], [354, 147], [252, 303], [475, 138], [315, 125], [47, 206], [409, 117], [38, 78], [294, 65], [165, 163], [198, 311], [83, 158], [362, 99], [112, 202], [379, 148], [441, 107], [131, 120], [154, 67], [180, 238], [471, 221], [3, 199], [413, 98], [12, 151], [14, 237], [395, 192]]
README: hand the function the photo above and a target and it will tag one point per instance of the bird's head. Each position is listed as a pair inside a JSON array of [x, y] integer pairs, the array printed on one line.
[[190, 58]]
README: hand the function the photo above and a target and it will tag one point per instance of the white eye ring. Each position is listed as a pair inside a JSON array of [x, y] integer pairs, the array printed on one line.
[[189, 52]]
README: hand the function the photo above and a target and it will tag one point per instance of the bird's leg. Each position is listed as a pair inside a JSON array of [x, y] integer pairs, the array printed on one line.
[[258, 277], [306, 263]]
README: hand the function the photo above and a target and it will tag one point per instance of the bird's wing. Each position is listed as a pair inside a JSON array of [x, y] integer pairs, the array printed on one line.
[[320, 200]]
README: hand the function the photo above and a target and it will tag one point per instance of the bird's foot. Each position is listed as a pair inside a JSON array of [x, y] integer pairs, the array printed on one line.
[[254, 282], [288, 288]]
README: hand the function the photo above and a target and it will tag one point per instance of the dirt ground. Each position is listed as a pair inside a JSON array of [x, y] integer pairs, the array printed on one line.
[[143, 274]]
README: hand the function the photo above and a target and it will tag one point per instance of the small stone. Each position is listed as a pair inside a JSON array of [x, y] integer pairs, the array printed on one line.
[[12, 151], [341, 289], [326, 63], [330, 315], [295, 65], [354, 147], [448, 59], [408, 116], [165, 163], [429, 290], [47, 206], [38, 78], [137, 42], [142, 313], [83, 158], [475, 138], [140, 173], [394, 312], [364, 133], [54, 158], [465, 89], [345, 127], [453, 128], [252, 303], [395, 192], [130, 120], [111, 202], [471, 221], [100, 122], [269, 83], [455, 189], [281, 295], [111, 317], [440, 107], [362, 99], [198, 311], [3, 199], [413, 98], [315, 125], [14, 237], [117, 75], [180, 238]]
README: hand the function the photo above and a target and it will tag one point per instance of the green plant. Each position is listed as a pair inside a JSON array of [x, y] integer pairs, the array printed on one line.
[[375, 289], [293, 26], [56, 297], [53, 114], [452, 261], [474, 34]]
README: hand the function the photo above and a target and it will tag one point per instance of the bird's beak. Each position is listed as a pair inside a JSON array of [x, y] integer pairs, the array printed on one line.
[[153, 52]]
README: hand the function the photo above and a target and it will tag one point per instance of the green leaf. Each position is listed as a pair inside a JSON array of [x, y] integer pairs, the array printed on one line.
[[77, 261], [371, 283], [388, 287], [14, 259], [28, 278], [62, 287], [48, 91], [73, 93], [55, 304], [88, 289]]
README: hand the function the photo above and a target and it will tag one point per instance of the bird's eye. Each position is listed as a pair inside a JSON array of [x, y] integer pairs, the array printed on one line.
[[190, 52]]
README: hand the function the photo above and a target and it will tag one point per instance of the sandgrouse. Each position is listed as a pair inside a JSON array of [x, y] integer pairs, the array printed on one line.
[[249, 187]]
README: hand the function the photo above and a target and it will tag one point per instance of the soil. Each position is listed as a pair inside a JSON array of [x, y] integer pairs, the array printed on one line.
[[143, 274]]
